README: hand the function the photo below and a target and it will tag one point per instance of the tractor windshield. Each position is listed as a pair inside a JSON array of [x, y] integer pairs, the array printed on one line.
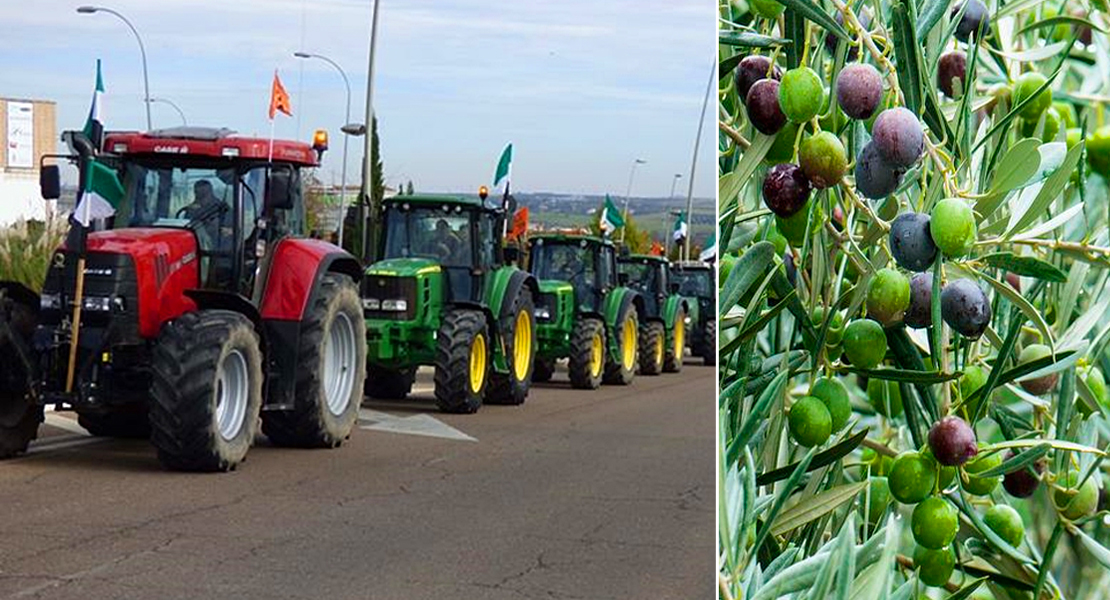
[[176, 197], [694, 282], [570, 262], [643, 277], [441, 233]]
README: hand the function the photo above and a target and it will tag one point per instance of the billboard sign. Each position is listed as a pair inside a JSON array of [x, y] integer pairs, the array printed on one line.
[[21, 135]]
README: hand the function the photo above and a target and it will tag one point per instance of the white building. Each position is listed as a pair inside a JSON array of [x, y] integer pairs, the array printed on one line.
[[28, 130]]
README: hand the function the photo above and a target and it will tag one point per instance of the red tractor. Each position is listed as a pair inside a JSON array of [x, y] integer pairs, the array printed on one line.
[[204, 308]]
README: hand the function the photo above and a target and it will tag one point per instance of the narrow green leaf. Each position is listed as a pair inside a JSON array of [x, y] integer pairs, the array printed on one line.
[[908, 53], [905, 375], [781, 497], [1046, 561], [1058, 444], [1022, 304], [967, 590], [1020, 461], [1004, 122], [731, 184], [794, 28], [815, 507], [823, 458], [1021, 162], [748, 270], [1026, 266], [994, 379], [1060, 20], [813, 12], [1051, 189], [1016, 372], [747, 39], [757, 416], [932, 13], [1097, 550]]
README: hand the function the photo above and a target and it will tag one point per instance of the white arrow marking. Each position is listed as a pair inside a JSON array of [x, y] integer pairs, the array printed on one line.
[[421, 424]]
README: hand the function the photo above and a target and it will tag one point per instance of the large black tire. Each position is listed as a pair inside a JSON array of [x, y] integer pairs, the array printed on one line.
[[512, 386], [203, 361], [462, 333], [124, 423], [652, 339], [20, 415], [331, 371], [709, 343], [389, 384], [543, 370], [586, 363], [676, 349], [622, 369]]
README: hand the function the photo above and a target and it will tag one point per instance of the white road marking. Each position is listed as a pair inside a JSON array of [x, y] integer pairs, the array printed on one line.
[[421, 424]]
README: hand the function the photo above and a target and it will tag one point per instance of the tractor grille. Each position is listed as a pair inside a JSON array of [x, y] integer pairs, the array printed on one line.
[[379, 289], [111, 293]]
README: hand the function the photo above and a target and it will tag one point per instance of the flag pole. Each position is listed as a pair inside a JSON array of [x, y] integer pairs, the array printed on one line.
[[79, 294], [270, 158]]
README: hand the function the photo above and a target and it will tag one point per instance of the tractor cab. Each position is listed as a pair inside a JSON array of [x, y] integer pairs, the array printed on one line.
[[665, 311], [695, 281], [586, 262], [649, 275]]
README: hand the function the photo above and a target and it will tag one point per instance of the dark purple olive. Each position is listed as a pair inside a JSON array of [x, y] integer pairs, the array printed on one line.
[[1014, 281], [898, 135], [1023, 482], [859, 89], [763, 106], [785, 189], [920, 313], [965, 308], [951, 66], [751, 70], [875, 177], [952, 441], [911, 243], [975, 21]]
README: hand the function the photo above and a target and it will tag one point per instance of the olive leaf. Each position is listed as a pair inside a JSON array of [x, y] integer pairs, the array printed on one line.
[[1026, 266], [815, 507]]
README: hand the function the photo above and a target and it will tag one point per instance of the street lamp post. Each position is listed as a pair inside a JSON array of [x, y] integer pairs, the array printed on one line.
[[366, 192], [88, 10], [180, 113], [674, 182], [346, 136], [694, 165], [628, 193]]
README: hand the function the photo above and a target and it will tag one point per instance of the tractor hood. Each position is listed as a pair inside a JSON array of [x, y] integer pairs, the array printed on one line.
[[144, 243], [403, 267]]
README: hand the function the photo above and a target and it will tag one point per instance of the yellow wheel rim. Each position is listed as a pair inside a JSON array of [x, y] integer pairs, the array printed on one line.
[[522, 346], [659, 350], [628, 344], [679, 336], [597, 355], [477, 363]]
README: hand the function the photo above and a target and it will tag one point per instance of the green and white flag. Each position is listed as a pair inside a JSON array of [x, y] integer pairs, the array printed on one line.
[[709, 253], [100, 194], [504, 167], [611, 219], [680, 227], [94, 126]]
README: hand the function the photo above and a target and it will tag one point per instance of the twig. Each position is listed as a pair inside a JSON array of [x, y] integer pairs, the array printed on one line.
[[734, 135]]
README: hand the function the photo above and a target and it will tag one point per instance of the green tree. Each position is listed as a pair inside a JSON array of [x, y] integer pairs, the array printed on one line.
[[352, 227]]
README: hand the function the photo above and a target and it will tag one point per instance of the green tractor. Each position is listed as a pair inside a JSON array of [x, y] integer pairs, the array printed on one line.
[[695, 282], [583, 314], [446, 293], [663, 320]]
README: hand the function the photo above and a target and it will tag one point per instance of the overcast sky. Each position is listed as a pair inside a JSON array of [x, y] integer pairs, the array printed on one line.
[[581, 87]]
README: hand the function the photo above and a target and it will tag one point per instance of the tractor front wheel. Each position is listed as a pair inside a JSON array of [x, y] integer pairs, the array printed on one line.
[[389, 384], [587, 354], [20, 415], [652, 341], [672, 362], [543, 370], [709, 343], [207, 391], [331, 373], [622, 369], [518, 339], [462, 361]]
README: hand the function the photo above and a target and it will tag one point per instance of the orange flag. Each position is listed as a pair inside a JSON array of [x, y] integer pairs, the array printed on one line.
[[279, 99], [520, 223], [657, 248]]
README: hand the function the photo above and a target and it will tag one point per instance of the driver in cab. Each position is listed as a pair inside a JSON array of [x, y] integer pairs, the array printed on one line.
[[205, 207]]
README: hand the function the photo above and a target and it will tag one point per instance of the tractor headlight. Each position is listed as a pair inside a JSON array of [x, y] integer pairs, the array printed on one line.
[[50, 301], [687, 320], [371, 304], [397, 305], [97, 304], [542, 313]]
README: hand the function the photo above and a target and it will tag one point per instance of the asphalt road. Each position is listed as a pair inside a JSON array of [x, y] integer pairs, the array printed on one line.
[[606, 494]]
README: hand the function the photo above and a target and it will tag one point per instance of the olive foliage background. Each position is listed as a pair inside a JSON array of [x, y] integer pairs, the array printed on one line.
[[791, 519]]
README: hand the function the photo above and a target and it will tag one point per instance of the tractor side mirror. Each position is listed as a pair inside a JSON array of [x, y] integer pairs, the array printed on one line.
[[50, 182], [279, 189]]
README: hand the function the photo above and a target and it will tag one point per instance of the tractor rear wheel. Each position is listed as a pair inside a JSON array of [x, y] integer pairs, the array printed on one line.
[[207, 391], [462, 361], [709, 343], [623, 370], [587, 354], [331, 374], [543, 370], [388, 384], [518, 330], [652, 340], [20, 415], [122, 423], [672, 360]]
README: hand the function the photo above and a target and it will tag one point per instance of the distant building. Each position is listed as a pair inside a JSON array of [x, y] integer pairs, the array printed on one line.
[[29, 130]]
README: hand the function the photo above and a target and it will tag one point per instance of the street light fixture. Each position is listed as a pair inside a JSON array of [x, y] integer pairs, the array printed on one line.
[[628, 192], [674, 182], [88, 10], [694, 163], [180, 113], [346, 119]]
